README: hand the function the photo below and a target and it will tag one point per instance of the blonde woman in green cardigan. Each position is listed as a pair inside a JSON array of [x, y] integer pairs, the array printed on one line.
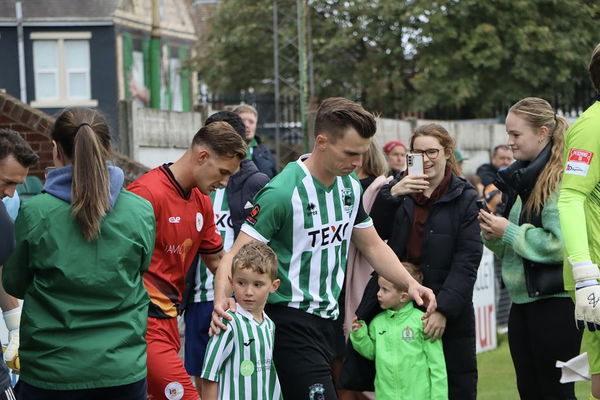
[[528, 239]]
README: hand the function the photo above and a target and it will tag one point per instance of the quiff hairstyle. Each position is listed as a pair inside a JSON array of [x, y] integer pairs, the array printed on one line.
[[258, 257], [221, 138], [336, 114], [11, 143], [245, 108], [594, 68]]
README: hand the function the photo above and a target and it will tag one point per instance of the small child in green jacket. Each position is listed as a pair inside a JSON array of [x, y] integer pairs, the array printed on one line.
[[407, 365]]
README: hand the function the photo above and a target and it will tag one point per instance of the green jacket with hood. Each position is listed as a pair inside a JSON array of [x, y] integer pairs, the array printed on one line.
[[407, 366], [85, 307]]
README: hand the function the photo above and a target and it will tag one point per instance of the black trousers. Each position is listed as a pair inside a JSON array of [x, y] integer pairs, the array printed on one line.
[[304, 350], [132, 391], [539, 334]]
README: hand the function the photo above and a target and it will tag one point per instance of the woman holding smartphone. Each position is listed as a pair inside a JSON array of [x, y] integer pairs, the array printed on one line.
[[528, 239], [434, 226]]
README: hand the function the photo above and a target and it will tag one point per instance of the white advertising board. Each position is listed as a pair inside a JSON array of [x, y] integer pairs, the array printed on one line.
[[484, 302]]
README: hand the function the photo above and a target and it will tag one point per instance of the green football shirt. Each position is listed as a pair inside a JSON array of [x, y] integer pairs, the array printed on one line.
[[309, 227], [579, 203], [241, 359], [204, 279]]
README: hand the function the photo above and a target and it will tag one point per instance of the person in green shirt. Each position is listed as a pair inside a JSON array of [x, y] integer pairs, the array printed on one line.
[[81, 250], [408, 364], [579, 209], [528, 239]]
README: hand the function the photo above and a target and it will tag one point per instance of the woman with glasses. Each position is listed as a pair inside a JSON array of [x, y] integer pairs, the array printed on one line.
[[528, 239], [430, 220]]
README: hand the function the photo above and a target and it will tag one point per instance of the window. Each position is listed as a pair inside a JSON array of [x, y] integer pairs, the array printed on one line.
[[61, 63]]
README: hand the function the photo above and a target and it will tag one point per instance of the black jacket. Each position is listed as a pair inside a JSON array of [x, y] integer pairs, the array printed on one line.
[[487, 173], [241, 188], [264, 160], [450, 257]]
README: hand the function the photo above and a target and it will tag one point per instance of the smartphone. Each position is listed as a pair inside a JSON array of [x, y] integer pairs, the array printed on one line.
[[414, 164], [482, 205]]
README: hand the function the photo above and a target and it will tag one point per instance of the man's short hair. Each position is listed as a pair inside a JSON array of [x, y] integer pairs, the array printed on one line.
[[11, 143], [231, 118], [336, 114], [245, 108], [594, 67], [257, 257], [221, 138], [500, 147]]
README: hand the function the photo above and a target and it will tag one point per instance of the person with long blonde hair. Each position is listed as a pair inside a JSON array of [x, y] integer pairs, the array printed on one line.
[[82, 247], [528, 239]]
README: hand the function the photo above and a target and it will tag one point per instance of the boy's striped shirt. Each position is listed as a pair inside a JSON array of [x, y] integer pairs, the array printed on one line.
[[309, 227], [203, 287], [241, 359]]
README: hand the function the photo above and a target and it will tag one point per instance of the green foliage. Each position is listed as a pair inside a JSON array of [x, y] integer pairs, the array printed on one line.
[[414, 55]]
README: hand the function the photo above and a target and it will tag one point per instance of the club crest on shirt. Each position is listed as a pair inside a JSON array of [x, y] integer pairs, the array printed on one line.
[[408, 334], [311, 209], [174, 391], [199, 221], [316, 392], [247, 368], [347, 200]]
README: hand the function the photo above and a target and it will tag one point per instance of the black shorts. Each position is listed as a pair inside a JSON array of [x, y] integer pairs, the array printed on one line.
[[304, 350], [132, 391]]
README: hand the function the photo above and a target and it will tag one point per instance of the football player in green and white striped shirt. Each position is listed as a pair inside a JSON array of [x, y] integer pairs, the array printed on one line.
[[308, 214], [239, 362]]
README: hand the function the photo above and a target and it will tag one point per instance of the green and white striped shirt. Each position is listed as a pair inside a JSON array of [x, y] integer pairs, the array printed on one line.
[[309, 227], [241, 359], [203, 287]]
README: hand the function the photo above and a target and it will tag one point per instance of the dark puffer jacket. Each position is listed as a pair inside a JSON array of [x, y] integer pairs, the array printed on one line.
[[241, 188], [450, 257], [264, 160]]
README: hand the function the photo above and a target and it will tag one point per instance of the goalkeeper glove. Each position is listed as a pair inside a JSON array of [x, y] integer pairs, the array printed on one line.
[[12, 318]]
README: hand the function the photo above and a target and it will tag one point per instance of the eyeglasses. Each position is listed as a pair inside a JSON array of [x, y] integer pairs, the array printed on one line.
[[432, 154]]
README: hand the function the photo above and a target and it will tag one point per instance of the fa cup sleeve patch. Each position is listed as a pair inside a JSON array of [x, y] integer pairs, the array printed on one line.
[[251, 218], [578, 162]]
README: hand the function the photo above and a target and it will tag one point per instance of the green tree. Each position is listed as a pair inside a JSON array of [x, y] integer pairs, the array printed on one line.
[[415, 55]]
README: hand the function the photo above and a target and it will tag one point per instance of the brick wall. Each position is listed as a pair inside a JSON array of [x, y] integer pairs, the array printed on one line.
[[35, 126]]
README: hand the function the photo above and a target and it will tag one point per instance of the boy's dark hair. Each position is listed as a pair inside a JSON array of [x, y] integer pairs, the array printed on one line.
[[221, 138], [257, 257], [231, 118], [11, 143], [336, 114]]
